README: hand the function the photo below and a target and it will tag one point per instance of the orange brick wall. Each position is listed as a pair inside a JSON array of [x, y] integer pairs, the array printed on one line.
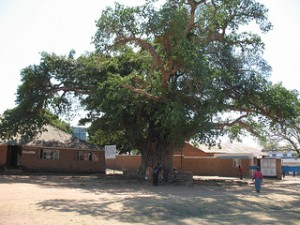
[[30, 161], [200, 165], [211, 166], [3, 155], [124, 162], [197, 165], [190, 150], [278, 168]]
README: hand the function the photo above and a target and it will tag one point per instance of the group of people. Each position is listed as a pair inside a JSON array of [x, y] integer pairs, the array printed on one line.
[[257, 176], [165, 174]]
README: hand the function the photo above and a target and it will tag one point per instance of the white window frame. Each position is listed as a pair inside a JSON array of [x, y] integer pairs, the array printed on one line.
[[236, 162], [48, 153], [85, 156]]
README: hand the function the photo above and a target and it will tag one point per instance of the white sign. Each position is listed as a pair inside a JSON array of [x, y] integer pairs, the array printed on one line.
[[28, 152], [268, 167], [110, 151]]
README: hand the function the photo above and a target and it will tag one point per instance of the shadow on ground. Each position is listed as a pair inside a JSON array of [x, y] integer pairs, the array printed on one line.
[[197, 202]]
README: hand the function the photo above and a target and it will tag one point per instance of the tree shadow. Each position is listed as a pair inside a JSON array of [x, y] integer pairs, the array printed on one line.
[[137, 201], [167, 204]]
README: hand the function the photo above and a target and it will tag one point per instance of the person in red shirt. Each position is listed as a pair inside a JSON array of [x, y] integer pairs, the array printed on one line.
[[258, 177], [241, 172]]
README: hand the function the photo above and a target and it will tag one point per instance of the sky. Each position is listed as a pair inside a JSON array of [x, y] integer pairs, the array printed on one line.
[[30, 27]]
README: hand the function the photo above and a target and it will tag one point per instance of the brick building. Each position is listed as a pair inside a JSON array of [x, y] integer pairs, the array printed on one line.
[[52, 151], [222, 160]]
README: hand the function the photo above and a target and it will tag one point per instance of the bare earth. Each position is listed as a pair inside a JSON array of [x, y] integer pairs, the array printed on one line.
[[69, 199]]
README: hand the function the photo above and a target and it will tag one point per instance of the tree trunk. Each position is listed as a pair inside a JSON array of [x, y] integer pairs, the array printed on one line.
[[157, 153]]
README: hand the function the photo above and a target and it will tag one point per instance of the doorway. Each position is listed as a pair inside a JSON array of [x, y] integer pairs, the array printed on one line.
[[13, 156]]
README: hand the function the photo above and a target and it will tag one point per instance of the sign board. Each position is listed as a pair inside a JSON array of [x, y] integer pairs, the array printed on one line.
[[110, 151], [28, 152], [268, 167]]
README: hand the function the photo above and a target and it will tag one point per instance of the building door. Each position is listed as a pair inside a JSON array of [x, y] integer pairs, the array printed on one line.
[[13, 155]]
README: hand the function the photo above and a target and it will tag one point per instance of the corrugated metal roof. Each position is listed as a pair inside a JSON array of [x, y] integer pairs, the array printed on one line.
[[230, 148], [54, 137]]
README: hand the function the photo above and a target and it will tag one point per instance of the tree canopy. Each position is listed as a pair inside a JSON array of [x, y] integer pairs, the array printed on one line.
[[160, 76]]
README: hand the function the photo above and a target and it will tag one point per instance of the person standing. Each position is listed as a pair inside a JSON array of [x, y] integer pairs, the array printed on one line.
[[257, 177], [155, 174], [241, 172]]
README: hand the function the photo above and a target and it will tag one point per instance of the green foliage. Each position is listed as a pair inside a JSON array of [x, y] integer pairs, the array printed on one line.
[[162, 76], [56, 122], [21, 121]]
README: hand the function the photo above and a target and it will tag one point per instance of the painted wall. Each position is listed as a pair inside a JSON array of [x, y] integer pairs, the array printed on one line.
[[202, 166], [124, 162], [67, 162], [3, 156]]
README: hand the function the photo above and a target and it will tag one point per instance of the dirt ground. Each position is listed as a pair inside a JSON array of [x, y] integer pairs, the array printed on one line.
[[70, 199]]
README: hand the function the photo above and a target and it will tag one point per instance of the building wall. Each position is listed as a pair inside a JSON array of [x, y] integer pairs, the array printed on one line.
[[278, 168], [291, 162], [190, 150], [124, 162], [282, 155], [189, 159], [202, 166], [67, 162], [3, 156]]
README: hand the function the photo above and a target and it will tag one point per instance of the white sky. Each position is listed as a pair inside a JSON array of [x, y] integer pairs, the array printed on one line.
[[32, 26]]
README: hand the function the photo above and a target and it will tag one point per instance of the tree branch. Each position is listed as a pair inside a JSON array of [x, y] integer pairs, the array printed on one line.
[[236, 121], [120, 40], [144, 93], [194, 4], [86, 90]]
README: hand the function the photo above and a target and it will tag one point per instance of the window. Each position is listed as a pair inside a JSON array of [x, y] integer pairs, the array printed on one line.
[[237, 162], [49, 154], [86, 156]]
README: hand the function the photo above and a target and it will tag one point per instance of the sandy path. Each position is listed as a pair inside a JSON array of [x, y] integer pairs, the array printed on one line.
[[98, 200]]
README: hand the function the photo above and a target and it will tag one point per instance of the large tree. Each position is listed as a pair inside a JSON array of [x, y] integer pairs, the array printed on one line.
[[162, 76], [202, 68], [283, 134]]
